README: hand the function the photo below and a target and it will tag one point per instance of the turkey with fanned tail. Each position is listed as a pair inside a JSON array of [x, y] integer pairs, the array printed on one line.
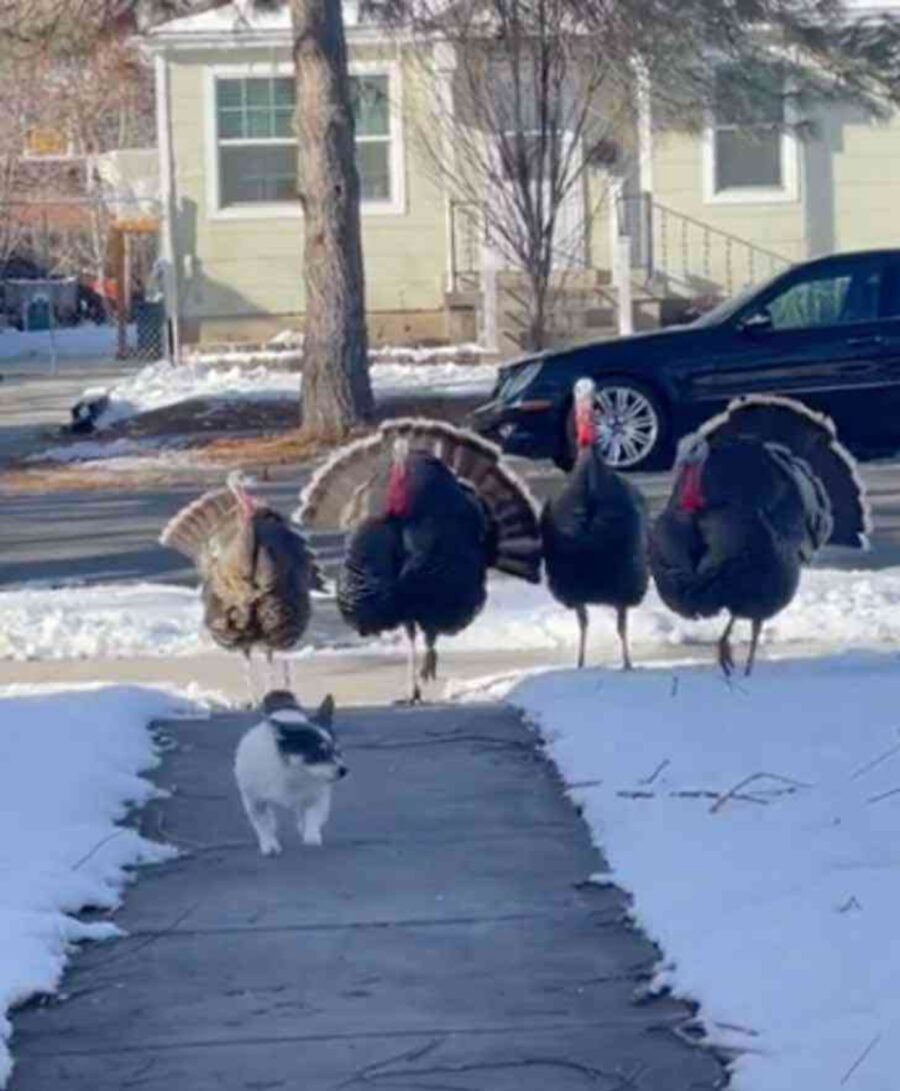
[[429, 509], [758, 492], [257, 570], [595, 533]]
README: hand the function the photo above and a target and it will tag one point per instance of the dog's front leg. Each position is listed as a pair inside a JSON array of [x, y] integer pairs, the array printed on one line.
[[312, 818]]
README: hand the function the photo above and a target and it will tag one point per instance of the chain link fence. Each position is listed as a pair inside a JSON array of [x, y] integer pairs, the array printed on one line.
[[82, 271]]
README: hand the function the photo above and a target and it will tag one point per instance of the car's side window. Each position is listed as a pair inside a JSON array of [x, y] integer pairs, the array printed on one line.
[[831, 299], [890, 291]]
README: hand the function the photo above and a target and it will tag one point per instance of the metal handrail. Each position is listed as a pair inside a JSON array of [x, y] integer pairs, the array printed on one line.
[[655, 241]]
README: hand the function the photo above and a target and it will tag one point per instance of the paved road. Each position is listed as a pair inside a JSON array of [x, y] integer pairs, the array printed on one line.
[[442, 937], [111, 536]]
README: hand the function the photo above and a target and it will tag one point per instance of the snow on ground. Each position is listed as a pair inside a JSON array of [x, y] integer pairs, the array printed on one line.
[[71, 764], [67, 343], [757, 827], [101, 622], [833, 610], [159, 385]]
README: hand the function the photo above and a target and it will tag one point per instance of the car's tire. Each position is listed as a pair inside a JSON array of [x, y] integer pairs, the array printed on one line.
[[634, 427]]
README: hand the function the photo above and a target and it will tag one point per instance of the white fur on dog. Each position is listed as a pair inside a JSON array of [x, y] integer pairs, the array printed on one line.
[[267, 781]]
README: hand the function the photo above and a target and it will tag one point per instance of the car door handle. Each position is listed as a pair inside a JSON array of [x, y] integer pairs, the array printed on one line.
[[865, 342]]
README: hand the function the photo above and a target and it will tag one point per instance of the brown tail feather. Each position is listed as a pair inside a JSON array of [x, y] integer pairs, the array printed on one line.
[[197, 526], [337, 494]]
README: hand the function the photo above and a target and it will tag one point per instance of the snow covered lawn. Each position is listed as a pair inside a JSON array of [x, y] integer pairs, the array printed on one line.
[[758, 828], [160, 385], [834, 610], [70, 769]]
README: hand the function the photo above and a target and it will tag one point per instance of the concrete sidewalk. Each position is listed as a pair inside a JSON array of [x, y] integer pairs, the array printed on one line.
[[443, 937]]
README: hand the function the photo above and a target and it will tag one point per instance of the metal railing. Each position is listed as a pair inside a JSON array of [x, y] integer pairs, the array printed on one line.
[[689, 254], [467, 234]]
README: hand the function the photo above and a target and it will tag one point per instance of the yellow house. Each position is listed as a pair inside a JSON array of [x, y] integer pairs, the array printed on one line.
[[684, 215]]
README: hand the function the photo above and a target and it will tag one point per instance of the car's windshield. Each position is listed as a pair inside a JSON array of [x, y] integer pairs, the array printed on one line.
[[732, 305]]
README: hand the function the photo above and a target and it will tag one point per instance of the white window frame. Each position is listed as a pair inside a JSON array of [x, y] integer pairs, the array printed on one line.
[[786, 193], [277, 210]]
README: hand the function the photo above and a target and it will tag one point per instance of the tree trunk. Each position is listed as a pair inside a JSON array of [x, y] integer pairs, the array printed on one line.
[[336, 390]]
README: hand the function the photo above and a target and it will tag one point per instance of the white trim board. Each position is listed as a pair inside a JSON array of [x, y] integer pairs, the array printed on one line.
[[396, 206]]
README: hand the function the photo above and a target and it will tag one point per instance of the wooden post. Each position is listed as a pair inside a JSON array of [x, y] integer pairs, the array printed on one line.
[[117, 261]]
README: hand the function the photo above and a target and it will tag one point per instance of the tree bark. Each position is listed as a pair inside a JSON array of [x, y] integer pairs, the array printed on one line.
[[336, 393]]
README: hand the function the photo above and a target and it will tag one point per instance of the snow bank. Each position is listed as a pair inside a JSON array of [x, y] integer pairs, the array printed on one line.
[[159, 385], [833, 610], [101, 622], [758, 828], [70, 768]]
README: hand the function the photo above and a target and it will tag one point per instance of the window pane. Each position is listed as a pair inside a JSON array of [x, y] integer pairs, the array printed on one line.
[[259, 123], [253, 174], [851, 296], [229, 93], [284, 121], [231, 124], [748, 158], [259, 92], [283, 92], [370, 105], [373, 162]]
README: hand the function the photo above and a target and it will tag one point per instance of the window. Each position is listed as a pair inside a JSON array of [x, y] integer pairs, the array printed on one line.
[[257, 150], [750, 155], [849, 294]]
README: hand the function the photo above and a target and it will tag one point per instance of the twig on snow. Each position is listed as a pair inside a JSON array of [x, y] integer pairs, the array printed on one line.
[[662, 765], [876, 761], [105, 841], [883, 795], [859, 1060], [732, 792]]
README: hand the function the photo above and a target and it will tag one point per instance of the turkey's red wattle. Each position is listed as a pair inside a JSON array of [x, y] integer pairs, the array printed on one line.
[[585, 426], [398, 491], [691, 498]]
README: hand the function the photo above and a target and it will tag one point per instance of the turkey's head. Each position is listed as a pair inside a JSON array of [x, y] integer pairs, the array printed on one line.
[[585, 413], [247, 506], [692, 456], [398, 494]]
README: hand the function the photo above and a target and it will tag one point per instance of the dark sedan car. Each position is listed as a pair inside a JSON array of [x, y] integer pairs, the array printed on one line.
[[826, 332]]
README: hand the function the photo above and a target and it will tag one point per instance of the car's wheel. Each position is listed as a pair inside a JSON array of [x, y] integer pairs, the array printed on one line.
[[632, 427]]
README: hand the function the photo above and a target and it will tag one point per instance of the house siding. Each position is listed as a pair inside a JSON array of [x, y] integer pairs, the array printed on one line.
[[240, 275]]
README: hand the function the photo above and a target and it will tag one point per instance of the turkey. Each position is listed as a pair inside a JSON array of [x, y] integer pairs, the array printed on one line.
[[430, 508], [595, 533], [257, 571], [758, 491]]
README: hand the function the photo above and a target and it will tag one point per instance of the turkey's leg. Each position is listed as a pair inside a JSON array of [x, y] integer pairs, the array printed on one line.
[[725, 655], [756, 629], [429, 664], [415, 694], [251, 681], [582, 615], [286, 679], [622, 630]]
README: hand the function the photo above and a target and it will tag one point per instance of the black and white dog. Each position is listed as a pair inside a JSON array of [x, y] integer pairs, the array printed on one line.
[[288, 760]]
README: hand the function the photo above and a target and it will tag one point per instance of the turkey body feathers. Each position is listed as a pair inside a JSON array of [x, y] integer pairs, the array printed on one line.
[[350, 487], [427, 568], [776, 487], [257, 572], [594, 538]]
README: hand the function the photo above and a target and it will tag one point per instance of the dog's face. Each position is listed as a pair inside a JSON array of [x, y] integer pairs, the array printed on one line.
[[305, 742]]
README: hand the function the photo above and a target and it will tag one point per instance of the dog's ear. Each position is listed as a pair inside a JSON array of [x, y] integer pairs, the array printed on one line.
[[324, 715], [277, 699]]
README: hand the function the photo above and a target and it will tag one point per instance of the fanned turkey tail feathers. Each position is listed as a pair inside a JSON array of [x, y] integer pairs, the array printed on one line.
[[199, 523], [811, 437], [337, 494]]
